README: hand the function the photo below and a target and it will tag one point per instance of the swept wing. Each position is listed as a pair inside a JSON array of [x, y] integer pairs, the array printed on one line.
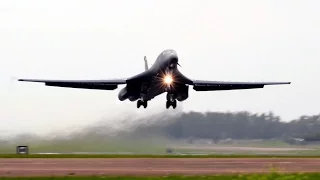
[[201, 85], [83, 84]]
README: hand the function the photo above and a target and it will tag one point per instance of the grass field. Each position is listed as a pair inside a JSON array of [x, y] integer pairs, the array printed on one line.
[[149, 156], [150, 145], [143, 145], [271, 176]]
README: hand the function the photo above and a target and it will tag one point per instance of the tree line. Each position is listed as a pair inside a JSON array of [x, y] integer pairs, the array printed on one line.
[[238, 125]]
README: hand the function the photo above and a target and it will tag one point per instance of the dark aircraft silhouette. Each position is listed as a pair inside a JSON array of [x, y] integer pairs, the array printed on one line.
[[163, 76]]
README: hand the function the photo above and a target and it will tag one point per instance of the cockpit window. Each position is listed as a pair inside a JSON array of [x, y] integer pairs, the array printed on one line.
[[169, 51]]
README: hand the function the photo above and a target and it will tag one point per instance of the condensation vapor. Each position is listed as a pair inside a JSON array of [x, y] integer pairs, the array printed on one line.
[[109, 125], [121, 122]]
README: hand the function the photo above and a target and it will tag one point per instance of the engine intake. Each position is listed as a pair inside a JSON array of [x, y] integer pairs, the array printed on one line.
[[123, 94], [183, 93]]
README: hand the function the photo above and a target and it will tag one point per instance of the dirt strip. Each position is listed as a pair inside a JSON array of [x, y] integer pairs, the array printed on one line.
[[153, 166]]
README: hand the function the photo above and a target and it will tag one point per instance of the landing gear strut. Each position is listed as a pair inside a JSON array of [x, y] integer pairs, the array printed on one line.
[[142, 103], [171, 103]]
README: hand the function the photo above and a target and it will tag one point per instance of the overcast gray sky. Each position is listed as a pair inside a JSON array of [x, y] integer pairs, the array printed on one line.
[[227, 40]]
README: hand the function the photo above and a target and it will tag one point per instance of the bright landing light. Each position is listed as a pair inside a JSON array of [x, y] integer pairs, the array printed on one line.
[[168, 79]]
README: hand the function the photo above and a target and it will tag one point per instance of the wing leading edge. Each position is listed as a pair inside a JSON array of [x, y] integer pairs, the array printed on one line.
[[200, 85], [83, 84]]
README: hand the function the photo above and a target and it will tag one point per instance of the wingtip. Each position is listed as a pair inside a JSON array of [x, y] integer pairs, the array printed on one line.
[[22, 79], [284, 83]]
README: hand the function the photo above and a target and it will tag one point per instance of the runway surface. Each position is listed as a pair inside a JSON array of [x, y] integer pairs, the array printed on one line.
[[152, 166]]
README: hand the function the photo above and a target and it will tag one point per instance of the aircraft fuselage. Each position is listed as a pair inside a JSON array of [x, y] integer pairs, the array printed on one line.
[[152, 82]]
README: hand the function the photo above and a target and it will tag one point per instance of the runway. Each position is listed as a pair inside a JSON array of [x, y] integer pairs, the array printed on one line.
[[152, 166]]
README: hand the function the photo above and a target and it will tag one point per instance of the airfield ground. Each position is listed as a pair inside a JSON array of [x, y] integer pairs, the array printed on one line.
[[152, 166], [220, 159]]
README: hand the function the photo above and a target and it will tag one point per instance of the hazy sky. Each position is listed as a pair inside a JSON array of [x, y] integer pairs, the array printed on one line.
[[215, 40]]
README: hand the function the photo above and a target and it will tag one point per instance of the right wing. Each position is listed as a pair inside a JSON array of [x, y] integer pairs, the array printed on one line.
[[83, 84], [200, 85]]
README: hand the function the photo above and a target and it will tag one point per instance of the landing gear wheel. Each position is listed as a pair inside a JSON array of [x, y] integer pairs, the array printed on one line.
[[139, 103], [171, 103], [145, 104], [174, 104], [142, 103]]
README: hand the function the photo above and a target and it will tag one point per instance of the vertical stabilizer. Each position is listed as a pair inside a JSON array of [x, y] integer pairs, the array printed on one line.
[[145, 63]]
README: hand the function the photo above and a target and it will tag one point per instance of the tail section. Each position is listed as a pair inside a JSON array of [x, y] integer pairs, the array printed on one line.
[[145, 63]]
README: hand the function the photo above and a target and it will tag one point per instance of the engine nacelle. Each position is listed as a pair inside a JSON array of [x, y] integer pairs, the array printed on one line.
[[133, 98], [183, 93], [123, 94]]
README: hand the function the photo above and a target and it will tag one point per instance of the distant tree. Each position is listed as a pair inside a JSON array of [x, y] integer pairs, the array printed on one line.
[[240, 125]]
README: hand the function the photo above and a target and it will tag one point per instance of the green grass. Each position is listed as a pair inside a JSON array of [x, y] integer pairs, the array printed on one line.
[[140, 145], [143, 145], [271, 176], [148, 156]]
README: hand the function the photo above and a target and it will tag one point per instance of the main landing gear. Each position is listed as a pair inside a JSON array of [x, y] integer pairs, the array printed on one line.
[[168, 104], [142, 103], [171, 103]]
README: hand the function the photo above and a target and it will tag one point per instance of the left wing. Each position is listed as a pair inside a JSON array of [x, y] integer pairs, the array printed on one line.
[[200, 85], [83, 84]]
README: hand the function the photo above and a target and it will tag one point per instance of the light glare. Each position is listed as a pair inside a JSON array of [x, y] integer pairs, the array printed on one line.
[[168, 79]]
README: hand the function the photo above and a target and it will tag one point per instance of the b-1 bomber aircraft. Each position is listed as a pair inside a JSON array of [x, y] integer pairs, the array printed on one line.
[[162, 77]]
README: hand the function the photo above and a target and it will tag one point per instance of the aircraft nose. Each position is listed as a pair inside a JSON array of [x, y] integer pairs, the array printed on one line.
[[174, 59], [170, 56]]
